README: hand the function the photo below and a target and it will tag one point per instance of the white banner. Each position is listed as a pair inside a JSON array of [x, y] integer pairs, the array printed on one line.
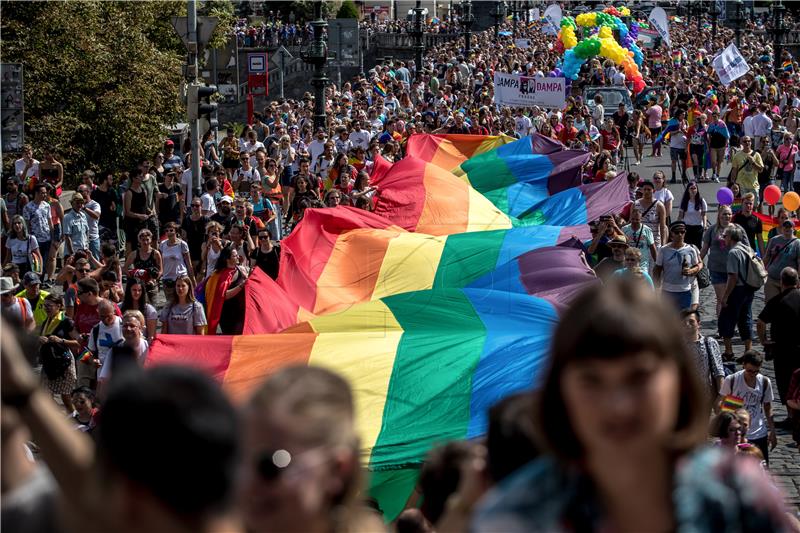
[[658, 18], [535, 14], [514, 90], [730, 65], [553, 16], [522, 43]]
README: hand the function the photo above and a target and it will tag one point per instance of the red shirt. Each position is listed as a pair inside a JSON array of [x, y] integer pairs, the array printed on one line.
[[87, 316], [609, 139], [567, 134]]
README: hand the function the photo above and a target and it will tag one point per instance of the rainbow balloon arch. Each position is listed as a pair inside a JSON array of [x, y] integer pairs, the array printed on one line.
[[628, 55]]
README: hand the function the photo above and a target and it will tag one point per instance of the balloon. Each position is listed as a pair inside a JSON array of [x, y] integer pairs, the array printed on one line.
[[725, 196], [791, 201], [772, 194]]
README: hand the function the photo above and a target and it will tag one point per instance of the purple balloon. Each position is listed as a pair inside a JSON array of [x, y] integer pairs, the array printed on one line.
[[725, 196], [557, 71]]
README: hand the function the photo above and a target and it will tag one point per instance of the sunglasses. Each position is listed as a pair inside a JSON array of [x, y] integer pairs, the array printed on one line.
[[84, 271]]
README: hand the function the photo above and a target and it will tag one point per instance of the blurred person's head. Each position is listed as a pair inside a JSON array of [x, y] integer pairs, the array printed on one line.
[[441, 474], [167, 450], [510, 440], [726, 427], [621, 373], [301, 469]]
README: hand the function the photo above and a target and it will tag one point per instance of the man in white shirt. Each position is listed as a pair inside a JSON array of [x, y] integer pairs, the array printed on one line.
[[92, 210], [358, 137], [522, 124], [13, 306], [209, 206], [317, 146], [105, 335], [762, 125], [26, 162]]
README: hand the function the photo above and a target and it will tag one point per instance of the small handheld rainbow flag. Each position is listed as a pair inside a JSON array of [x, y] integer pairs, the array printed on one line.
[[36, 263], [787, 66], [379, 88], [732, 403], [85, 356]]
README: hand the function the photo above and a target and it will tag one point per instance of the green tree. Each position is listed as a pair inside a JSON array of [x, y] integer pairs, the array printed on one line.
[[101, 77], [348, 10]]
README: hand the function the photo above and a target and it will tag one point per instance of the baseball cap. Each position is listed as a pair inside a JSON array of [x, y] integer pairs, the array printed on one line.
[[226, 199], [169, 142], [31, 278]]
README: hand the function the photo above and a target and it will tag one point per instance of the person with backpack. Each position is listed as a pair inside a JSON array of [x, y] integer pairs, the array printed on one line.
[[59, 341], [15, 307], [737, 299], [754, 390], [705, 350]]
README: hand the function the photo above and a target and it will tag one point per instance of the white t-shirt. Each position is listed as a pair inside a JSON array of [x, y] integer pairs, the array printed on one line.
[[208, 207], [20, 250], [14, 310], [172, 259], [664, 195], [19, 166], [360, 138], [694, 217], [141, 354], [754, 400], [186, 183], [107, 337], [672, 261], [522, 126], [94, 231], [315, 148]]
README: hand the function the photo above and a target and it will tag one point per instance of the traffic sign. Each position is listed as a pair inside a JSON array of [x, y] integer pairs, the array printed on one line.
[[205, 27], [257, 63]]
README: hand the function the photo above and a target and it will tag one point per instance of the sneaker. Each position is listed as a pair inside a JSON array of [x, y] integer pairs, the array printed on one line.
[[716, 179]]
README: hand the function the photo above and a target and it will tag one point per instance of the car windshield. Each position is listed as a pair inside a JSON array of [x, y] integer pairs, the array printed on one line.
[[611, 99]]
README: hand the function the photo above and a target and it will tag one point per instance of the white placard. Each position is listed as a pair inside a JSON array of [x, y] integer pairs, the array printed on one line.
[[514, 90], [552, 16], [730, 65], [522, 43], [658, 19]]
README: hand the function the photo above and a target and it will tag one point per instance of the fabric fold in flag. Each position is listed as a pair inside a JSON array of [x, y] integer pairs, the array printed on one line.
[[211, 293], [332, 261]]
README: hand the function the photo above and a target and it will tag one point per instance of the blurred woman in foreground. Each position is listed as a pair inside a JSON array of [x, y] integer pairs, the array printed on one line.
[[623, 419], [300, 465]]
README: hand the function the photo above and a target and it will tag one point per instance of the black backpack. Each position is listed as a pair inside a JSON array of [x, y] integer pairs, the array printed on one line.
[[55, 359]]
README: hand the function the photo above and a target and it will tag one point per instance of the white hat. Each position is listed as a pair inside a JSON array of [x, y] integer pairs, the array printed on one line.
[[226, 198], [6, 285]]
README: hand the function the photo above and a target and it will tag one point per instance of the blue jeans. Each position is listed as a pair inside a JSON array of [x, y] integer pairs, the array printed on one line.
[[737, 313], [683, 300], [786, 180], [94, 248]]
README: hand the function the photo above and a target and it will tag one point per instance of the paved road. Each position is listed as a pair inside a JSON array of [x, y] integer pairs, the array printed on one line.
[[785, 458]]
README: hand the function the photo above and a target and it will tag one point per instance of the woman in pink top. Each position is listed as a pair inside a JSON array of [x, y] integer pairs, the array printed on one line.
[[786, 152], [654, 124]]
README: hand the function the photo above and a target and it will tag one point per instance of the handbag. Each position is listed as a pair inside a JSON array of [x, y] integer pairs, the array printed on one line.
[[703, 277]]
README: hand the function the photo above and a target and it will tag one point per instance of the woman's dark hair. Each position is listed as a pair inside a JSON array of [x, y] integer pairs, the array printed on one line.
[[338, 158], [222, 261], [720, 424], [361, 177], [698, 199], [510, 440], [128, 302], [611, 322]]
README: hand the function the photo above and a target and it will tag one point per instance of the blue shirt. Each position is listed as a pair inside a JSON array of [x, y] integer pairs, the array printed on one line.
[[76, 227]]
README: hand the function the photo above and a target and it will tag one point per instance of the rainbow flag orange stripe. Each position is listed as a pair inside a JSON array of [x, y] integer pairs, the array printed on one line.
[[450, 150], [732, 403]]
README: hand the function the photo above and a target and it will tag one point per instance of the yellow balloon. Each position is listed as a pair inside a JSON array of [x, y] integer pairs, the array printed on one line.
[[568, 37], [605, 32]]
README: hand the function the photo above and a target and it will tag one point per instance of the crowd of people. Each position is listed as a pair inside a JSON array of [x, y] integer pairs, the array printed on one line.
[[96, 283]]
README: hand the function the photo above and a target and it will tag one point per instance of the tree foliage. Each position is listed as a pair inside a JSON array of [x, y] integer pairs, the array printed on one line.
[[101, 77], [348, 10]]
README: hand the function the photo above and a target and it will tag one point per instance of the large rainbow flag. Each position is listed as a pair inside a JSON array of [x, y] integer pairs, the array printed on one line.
[[450, 150], [422, 197], [768, 223], [338, 257]]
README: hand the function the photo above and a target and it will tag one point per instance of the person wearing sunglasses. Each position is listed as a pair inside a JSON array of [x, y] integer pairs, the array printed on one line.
[[300, 469], [193, 230], [677, 265]]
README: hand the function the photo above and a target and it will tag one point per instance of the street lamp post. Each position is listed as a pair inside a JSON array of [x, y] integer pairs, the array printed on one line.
[[737, 23], [527, 8], [699, 8], [498, 14], [714, 13], [419, 47], [778, 31], [317, 54], [467, 20]]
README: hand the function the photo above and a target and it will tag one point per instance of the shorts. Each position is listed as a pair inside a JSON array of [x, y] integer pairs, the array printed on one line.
[[287, 177], [56, 233], [677, 154], [697, 149], [718, 278], [655, 132], [682, 300], [719, 153]]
